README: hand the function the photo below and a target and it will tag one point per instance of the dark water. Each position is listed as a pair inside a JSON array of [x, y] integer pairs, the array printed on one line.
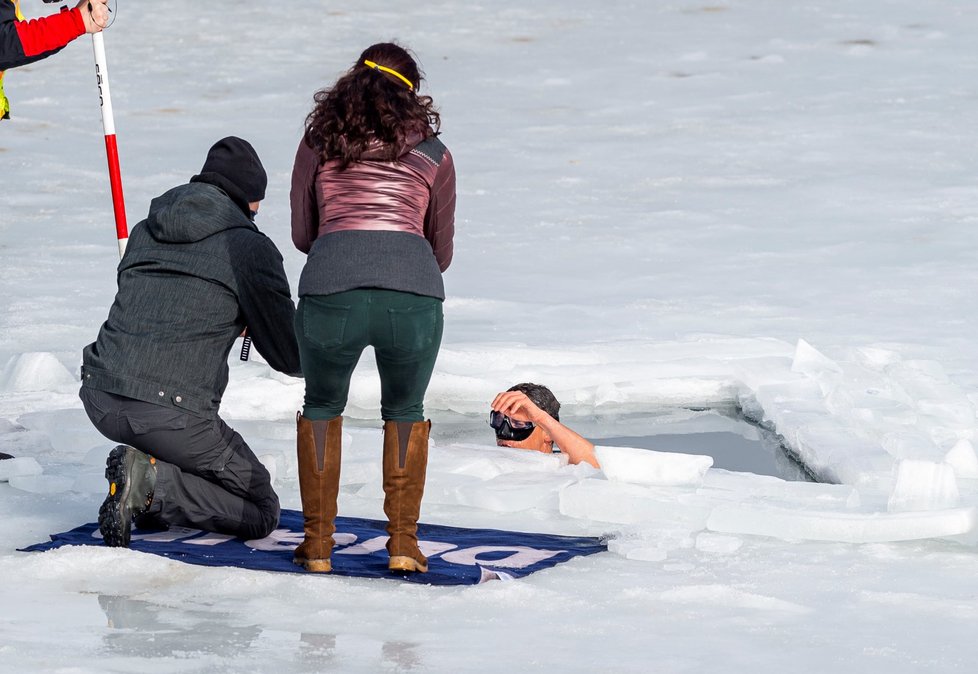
[[730, 451]]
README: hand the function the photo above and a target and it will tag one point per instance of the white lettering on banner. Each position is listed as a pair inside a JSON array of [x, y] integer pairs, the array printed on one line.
[[284, 539], [432, 548], [280, 539], [209, 539], [368, 546], [521, 558], [170, 535], [377, 543]]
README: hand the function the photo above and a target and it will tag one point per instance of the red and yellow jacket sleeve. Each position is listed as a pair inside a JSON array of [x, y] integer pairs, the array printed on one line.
[[23, 42]]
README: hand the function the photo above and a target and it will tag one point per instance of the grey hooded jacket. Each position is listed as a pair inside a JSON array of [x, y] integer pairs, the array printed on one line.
[[196, 272]]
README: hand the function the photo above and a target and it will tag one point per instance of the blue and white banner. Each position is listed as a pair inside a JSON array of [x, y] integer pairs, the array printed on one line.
[[456, 556]]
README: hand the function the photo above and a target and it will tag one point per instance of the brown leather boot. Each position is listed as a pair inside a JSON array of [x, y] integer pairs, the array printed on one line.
[[405, 462], [318, 444]]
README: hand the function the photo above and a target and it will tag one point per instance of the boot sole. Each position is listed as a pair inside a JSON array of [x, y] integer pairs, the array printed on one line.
[[115, 516], [409, 564], [314, 565]]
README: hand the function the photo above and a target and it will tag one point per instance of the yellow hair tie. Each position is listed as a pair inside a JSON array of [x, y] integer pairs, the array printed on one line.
[[371, 64]]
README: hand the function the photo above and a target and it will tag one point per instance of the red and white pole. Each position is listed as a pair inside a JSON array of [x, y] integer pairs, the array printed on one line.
[[111, 149]]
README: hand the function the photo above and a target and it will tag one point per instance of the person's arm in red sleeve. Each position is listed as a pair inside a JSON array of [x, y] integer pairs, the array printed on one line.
[[305, 209], [23, 42], [53, 32], [439, 221]]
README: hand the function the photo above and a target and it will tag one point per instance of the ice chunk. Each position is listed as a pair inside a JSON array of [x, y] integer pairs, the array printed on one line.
[[444, 488], [923, 485], [271, 465], [646, 466], [717, 543], [911, 444], [513, 492], [836, 454], [876, 358], [622, 503], [953, 410], [39, 371], [361, 472], [810, 362], [963, 460], [726, 486], [96, 455], [19, 466], [870, 406], [770, 395], [41, 484], [488, 461], [787, 524]]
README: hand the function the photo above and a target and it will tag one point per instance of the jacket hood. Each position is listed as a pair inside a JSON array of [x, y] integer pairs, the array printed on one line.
[[193, 212]]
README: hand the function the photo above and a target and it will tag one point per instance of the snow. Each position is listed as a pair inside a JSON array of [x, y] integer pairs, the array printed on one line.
[[663, 207]]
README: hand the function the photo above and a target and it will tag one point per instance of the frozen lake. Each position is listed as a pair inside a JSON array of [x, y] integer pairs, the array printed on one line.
[[752, 205]]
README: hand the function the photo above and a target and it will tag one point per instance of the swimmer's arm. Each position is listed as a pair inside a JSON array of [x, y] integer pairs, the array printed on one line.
[[577, 449]]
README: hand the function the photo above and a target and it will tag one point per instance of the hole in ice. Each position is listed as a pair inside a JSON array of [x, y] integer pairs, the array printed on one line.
[[723, 433], [733, 442]]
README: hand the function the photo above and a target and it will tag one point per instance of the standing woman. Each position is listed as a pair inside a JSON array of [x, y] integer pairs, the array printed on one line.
[[373, 206]]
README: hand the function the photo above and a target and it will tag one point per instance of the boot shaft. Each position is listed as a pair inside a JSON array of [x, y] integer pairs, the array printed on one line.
[[319, 449], [405, 467], [316, 442]]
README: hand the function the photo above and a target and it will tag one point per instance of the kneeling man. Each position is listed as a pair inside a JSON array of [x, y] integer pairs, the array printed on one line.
[[195, 274]]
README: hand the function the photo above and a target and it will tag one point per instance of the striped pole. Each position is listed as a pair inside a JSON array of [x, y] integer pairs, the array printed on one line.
[[111, 149]]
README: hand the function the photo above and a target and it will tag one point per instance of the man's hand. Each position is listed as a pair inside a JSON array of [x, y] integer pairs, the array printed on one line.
[[517, 406], [95, 14]]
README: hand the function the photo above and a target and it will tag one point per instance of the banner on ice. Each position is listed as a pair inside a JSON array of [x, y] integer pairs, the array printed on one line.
[[456, 556]]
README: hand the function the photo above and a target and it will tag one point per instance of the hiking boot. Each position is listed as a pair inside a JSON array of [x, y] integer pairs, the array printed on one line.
[[132, 479]]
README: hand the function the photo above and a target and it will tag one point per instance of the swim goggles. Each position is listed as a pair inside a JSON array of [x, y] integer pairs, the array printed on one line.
[[510, 429]]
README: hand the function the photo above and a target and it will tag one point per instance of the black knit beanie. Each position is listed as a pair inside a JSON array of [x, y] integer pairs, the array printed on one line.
[[236, 160]]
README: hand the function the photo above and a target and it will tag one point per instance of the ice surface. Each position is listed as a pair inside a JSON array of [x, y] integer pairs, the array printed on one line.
[[660, 205], [648, 467]]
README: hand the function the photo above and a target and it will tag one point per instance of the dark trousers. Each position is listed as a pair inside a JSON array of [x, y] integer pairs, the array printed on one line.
[[333, 330], [206, 477]]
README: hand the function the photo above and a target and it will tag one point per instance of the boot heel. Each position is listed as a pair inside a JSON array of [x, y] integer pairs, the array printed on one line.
[[403, 563], [315, 565]]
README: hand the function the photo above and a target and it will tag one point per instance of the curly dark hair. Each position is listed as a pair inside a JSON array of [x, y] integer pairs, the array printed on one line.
[[367, 104]]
